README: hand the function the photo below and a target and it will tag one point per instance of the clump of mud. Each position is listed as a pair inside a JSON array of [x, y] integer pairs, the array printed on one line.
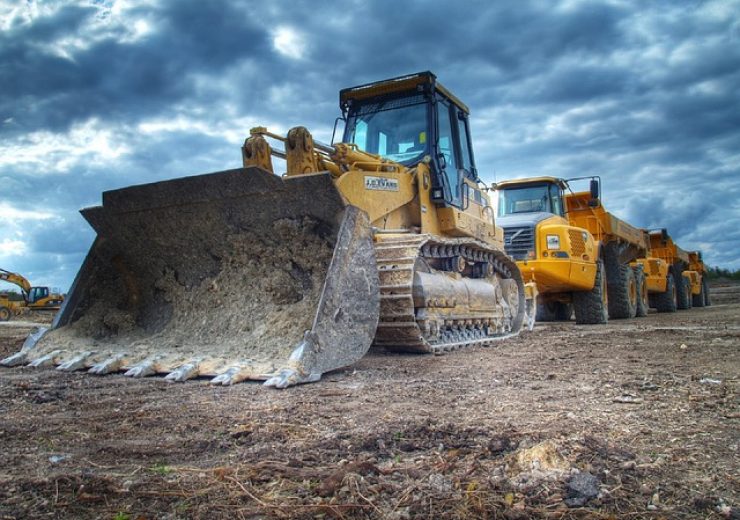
[[256, 307]]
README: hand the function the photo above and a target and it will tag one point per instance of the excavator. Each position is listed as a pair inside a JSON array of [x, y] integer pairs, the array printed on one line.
[[386, 238], [34, 298]]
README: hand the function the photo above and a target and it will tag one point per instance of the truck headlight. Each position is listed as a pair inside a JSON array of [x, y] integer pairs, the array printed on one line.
[[553, 242]]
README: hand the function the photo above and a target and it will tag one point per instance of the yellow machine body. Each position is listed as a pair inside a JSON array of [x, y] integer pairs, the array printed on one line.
[[551, 269], [387, 238], [38, 298]]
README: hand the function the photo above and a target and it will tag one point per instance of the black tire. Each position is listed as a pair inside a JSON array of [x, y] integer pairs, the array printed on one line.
[[622, 288], [545, 312], [4, 313], [641, 309], [682, 291], [564, 311], [666, 301], [554, 311], [591, 307], [697, 300], [705, 288]]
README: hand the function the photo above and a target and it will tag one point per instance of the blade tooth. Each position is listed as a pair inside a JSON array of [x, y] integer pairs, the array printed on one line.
[[142, 369], [76, 363], [184, 372], [231, 376], [289, 377], [112, 364], [19, 358], [45, 361]]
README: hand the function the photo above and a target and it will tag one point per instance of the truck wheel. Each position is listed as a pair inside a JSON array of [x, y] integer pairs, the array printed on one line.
[[622, 288], [4, 314], [641, 309], [697, 300], [666, 301], [591, 306], [563, 311], [682, 292], [554, 311], [545, 312], [705, 290]]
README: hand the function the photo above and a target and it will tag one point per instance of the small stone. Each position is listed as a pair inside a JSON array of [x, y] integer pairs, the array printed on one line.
[[582, 487], [56, 459], [683, 346], [440, 483], [627, 399]]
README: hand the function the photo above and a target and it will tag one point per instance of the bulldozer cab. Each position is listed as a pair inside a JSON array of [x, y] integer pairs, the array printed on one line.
[[541, 195], [411, 119]]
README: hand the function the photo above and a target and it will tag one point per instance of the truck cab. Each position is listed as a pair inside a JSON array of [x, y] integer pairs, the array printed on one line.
[[558, 256]]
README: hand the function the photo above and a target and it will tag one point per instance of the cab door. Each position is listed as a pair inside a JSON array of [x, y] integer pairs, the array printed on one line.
[[455, 158], [448, 156]]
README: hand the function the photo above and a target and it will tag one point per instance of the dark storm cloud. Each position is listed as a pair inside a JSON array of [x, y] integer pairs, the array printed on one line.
[[115, 80], [645, 95]]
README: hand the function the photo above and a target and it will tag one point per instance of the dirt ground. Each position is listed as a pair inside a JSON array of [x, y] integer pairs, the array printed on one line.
[[635, 419]]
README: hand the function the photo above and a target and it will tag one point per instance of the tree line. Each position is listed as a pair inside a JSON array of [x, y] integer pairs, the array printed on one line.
[[714, 273]]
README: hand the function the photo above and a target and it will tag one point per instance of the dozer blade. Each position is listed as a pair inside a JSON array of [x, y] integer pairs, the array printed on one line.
[[237, 275]]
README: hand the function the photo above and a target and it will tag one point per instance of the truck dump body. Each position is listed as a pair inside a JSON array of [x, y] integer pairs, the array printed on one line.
[[603, 225]]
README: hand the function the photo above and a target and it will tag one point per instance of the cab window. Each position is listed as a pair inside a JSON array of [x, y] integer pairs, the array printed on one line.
[[556, 200], [447, 140]]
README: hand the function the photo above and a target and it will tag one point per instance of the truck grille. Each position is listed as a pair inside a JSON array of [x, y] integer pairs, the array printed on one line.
[[577, 245], [518, 240]]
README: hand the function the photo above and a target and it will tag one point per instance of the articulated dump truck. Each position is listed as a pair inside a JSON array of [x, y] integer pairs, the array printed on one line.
[[564, 260], [385, 238], [582, 257], [675, 278]]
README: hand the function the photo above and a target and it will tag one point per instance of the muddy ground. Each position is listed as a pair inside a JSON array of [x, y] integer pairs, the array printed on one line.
[[635, 419]]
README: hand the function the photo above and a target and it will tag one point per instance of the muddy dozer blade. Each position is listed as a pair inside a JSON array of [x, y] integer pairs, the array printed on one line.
[[237, 275]]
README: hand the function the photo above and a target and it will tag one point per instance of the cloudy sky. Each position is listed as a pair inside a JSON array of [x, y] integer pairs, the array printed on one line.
[[96, 95]]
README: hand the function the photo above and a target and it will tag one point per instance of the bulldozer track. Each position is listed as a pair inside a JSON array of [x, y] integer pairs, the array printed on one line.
[[399, 329]]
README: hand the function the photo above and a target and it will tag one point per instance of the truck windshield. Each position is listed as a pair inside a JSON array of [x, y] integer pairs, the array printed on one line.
[[528, 199], [395, 128]]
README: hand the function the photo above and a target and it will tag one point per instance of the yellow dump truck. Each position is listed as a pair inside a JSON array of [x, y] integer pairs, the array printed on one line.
[[675, 277], [564, 260], [571, 246], [697, 278]]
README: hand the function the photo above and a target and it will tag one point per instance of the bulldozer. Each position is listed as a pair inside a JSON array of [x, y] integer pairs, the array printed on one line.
[[38, 298], [386, 238]]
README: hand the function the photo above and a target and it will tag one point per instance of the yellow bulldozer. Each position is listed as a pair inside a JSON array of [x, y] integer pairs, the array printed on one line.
[[387, 237], [38, 298]]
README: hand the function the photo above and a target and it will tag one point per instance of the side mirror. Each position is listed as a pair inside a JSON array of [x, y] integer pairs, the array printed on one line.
[[594, 189]]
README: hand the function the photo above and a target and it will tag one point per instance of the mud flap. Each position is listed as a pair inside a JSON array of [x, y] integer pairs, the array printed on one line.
[[238, 274]]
